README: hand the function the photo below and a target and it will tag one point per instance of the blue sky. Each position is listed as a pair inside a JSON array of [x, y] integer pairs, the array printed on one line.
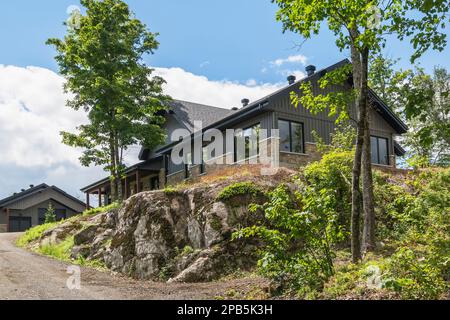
[[213, 52], [231, 39]]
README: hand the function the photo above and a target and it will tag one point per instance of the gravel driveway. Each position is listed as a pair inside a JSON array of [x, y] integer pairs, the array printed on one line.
[[25, 275]]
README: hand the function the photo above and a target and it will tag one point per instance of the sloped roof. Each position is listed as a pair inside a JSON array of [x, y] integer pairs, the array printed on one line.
[[34, 190], [188, 112]]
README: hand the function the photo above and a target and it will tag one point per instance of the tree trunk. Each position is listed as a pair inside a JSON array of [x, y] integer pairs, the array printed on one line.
[[356, 171], [118, 170], [368, 239], [112, 169]]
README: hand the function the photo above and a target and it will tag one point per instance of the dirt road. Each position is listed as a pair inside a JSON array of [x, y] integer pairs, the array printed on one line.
[[25, 275]]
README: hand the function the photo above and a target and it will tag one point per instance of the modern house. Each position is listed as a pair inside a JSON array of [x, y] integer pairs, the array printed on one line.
[[295, 141], [27, 208]]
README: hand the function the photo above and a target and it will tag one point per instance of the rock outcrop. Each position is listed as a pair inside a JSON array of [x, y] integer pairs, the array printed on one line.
[[176, 236]]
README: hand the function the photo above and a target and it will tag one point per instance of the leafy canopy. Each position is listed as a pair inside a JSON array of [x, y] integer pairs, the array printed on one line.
[[101, 58]]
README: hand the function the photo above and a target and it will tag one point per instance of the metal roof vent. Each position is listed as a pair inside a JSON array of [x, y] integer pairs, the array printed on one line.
[[291, 79], [235, 108], [245, 102], [31, 186], [310, 70]]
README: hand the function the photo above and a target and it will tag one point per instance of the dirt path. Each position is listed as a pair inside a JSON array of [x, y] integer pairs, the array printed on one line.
[[25, 275]]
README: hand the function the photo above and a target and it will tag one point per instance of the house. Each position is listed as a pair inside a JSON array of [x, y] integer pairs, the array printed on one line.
[[27, 209], [295, 141]]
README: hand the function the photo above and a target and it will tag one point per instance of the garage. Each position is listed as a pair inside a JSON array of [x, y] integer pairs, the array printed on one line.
[[19, 224]]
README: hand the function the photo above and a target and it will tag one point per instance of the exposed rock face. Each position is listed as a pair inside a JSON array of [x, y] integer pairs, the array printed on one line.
[[180, 236]]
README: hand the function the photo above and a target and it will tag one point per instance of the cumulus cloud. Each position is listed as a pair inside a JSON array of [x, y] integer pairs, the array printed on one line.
[[33, 112], [291, 59], [184, 85]]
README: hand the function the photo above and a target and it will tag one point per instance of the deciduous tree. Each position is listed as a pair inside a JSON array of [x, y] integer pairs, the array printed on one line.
[[361, 26], [101, 58]]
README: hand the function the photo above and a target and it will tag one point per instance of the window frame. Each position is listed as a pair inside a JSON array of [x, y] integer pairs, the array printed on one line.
[[290, 135], [378, 138], [257, 124]]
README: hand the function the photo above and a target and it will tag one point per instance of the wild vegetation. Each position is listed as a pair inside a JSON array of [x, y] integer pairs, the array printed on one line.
[[306, 248], [62, 250]]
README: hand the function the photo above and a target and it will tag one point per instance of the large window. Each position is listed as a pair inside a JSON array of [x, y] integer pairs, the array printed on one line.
[[291, 136], [250, 138], [379, 150]]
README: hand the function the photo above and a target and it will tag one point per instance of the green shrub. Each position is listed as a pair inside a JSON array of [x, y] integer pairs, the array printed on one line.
[[415, 276], [420, 267], [238, 189], [333, 175], [50, 215], [298, 246]]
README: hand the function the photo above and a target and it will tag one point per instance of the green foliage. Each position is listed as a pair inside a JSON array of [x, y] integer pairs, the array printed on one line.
[[34, 233], [238, 189], [60, 251], [342, 139], [416, 218], [170, 190], [336, 102], [50, 215], [415, 276], [95, 211], [423, 101], [101, 59], [332, 176], [298, 245], [354, 23]]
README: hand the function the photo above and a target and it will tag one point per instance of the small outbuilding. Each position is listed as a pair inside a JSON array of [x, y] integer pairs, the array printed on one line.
[[27, 208]]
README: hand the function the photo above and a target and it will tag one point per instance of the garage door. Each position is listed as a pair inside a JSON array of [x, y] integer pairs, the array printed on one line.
[[19, 224]]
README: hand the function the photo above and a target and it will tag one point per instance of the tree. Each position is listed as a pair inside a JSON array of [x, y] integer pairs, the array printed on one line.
[[361, 26], [423, 102], [427, 111], [101, 59], [50, 215]]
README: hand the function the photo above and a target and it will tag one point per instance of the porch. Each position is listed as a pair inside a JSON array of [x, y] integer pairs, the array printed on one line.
[[137, 179]]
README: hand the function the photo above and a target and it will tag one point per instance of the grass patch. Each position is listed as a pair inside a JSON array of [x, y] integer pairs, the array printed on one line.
[[238, 189], [60, 251], [34, 234], [95, 211]]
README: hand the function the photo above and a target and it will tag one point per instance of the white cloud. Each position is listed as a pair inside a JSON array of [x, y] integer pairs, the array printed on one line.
[[291, 59], [33, 112], [184, 85]]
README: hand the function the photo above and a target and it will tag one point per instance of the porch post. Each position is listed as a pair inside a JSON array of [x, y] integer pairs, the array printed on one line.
[[99, 197], [126, 187], [138, 182], [7, 219], [88, 205]]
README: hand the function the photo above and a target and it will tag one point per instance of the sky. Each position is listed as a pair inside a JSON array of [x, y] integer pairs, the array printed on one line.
[[212, 52]]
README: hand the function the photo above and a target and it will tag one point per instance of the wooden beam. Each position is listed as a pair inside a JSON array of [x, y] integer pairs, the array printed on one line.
[[7, 219], [126, 189], [99, 197], [138, 182], [88, 205]]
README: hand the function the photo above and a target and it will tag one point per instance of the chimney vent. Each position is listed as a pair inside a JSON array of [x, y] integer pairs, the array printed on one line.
[[31, 186], [291, 79], [245, 102], [310, 70]]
